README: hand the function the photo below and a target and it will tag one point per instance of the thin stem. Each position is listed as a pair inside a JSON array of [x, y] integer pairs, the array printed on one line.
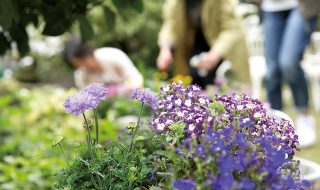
[[136, 129], [97, 125], [99, 181], [89, 133], [94, 181], [87, 140], [64, 153]]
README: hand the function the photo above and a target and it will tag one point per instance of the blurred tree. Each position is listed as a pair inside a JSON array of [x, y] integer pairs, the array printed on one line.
[[135, 33], [54, 17]]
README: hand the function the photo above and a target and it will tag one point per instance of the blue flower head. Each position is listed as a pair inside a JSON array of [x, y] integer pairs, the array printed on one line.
[[184, 184], [200, 151]]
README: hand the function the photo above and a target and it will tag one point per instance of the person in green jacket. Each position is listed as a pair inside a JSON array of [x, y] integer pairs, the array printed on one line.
[[202, 27]]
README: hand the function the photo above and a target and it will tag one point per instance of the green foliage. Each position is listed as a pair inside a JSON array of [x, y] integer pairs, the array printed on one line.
[[51, 69], [85, 28], [133, 32], [216, 108], [27, 126], [56, 16], [112, 168], [30, 117], [123, 5], [151, 164]]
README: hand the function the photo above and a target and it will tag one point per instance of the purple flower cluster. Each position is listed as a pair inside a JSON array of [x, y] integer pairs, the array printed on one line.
[[87, 98], [145, 95], [230, 160], [184, 184], [251, 116], [243, 148], [179, 104]]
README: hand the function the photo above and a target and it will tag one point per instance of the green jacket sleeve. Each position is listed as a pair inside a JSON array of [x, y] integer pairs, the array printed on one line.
[[167, 35], [230, 30]]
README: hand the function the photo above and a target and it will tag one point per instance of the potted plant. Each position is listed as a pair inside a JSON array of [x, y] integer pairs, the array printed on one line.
[[191, 142]]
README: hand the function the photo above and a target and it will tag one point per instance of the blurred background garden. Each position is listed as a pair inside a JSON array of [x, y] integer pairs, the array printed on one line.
[[35, 79]]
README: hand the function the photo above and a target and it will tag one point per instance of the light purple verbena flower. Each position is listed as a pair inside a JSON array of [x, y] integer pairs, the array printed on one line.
[[145, 95], [87, 98]]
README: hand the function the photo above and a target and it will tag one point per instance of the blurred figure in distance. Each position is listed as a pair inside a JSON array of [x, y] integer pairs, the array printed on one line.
[[107, 65], [207, 29]]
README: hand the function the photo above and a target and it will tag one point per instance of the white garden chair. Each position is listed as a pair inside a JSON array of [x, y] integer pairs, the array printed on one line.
[[257, 63], [309, 170], [311, 67]]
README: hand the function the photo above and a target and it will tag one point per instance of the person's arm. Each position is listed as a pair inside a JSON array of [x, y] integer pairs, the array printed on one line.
[[166, 36], [230, 34], [166, 39], [230, 29]]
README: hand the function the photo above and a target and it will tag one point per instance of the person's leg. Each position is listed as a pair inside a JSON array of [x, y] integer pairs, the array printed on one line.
[[295, 39], [274, 23]]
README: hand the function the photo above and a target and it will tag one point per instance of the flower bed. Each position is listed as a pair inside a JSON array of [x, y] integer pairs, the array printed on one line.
[[193, 142]]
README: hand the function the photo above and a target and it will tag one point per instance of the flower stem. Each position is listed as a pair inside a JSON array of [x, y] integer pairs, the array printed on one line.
[[89, 133], [97, 125], [136, 129], [94, 181], [99, 181], [64, 153]]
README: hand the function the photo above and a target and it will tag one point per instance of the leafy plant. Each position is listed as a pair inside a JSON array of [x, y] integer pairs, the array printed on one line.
[[196, 142]]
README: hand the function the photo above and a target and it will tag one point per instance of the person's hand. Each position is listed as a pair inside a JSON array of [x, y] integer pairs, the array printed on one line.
[[164, 59], [209, 61]]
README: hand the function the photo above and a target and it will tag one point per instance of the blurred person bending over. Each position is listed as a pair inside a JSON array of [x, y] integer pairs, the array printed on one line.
[[107, 65], [202, 27], [288, 25]]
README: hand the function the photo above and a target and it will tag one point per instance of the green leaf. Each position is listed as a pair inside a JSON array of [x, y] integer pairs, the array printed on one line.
[[27, 18], [216, 108], [4, 44], [19, 34], [57, 140], [110, 17], [85, 28], [6, 13], [5, 100], [23, 46], [138, 5], [56, 25], [124, 5], [119, 4]]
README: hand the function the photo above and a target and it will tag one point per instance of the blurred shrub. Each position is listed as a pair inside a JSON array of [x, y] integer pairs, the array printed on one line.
[[31, 116], [29, 119], [133, 32], [53, 17]]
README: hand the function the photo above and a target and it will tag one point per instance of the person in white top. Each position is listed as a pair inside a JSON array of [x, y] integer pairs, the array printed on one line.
[[287, 28], [107, 65]]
